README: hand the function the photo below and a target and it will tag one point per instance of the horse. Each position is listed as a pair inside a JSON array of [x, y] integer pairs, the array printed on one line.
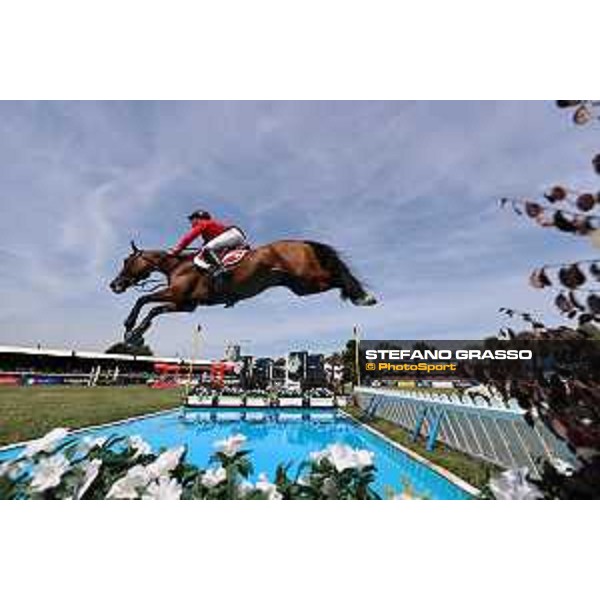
[[304, 267]]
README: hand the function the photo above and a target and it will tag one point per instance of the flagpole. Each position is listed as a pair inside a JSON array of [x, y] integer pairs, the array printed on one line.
[[356, 361], [195, 351]]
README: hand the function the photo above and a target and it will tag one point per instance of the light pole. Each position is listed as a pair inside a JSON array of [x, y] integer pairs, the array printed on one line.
[[195, 354]]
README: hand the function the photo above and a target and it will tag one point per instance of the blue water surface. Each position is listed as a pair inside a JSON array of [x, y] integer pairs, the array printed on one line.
[[279, 436]]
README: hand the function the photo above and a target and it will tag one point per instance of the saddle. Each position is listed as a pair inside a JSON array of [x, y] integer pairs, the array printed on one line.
[[230, 258]]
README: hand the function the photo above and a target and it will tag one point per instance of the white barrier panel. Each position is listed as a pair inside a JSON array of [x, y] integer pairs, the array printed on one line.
[[483, 426]]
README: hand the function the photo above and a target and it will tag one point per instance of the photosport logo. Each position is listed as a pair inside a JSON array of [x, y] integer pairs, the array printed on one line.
[[472, 359]]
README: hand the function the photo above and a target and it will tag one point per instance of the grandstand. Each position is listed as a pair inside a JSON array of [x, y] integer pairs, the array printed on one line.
[[21, 365], [36, 365]]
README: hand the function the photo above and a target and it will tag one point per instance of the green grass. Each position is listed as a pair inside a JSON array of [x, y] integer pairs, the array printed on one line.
[[30, 412], [471, 470]]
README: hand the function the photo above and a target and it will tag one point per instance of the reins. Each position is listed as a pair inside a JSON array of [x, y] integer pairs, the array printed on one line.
[[156, 284], [142, 286]]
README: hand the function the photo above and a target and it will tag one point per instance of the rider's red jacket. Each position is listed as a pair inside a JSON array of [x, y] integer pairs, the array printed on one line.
[[207, 228]]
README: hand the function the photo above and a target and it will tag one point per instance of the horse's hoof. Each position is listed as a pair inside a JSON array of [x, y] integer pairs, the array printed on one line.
[[366, 299]]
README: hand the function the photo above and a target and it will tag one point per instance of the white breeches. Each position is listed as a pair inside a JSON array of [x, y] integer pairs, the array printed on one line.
[[230, 238]]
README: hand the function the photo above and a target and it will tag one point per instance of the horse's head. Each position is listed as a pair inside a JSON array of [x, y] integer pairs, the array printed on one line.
[[136, 267]]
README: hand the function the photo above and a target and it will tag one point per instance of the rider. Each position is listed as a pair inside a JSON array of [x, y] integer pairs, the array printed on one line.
[[216, 235]]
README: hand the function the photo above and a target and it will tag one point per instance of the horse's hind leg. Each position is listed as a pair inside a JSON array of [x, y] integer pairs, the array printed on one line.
[[301, 287], [305, 287], [340, 275]]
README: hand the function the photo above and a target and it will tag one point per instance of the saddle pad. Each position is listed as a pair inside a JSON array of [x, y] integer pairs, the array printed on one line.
[[233, 257]]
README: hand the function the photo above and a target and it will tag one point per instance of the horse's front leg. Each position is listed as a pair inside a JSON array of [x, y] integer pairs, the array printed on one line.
[[132, 317], [154, 312]]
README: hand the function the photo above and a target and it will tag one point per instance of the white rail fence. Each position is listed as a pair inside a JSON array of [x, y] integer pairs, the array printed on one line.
[[483, 427]]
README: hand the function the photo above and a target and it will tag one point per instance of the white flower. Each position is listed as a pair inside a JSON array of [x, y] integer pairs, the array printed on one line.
[[48, 472], [364, 458], [138, 477], [96, 442], [136, 442], [231, 445], [245, 488], [266, 487], [318, 455], [213, 477], [9, 468], [166, 462], [46, 443], [127, 487], [89, 443], [513, 485], [163, 489], [563, 467], [91, 470], [344, 457]]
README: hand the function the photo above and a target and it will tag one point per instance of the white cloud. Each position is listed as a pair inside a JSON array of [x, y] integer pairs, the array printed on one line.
[[407, 190]]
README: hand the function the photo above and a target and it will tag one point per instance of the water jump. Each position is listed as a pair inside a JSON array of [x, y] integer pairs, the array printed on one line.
[[227, 270]]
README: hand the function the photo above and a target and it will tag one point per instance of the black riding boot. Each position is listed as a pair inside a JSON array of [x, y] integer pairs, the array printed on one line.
[[215, 262], [218, 270]]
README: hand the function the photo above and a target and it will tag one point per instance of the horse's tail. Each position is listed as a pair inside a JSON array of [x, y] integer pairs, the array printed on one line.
[[342, 276]]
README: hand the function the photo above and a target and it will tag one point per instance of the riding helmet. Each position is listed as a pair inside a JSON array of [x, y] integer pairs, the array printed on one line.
[[199, 214]]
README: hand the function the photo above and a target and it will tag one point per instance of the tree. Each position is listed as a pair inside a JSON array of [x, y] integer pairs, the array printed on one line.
[[349, 361], [131, 349]]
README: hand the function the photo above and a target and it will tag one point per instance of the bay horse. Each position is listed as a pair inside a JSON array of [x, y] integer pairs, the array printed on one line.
[[304, 267]]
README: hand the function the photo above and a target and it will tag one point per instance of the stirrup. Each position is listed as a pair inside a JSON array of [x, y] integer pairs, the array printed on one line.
[[201, 264]]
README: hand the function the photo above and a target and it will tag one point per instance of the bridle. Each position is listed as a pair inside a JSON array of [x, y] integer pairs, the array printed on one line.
[[142, 284]]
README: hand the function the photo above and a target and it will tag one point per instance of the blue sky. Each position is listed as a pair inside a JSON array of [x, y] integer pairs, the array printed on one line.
[[406, 190]]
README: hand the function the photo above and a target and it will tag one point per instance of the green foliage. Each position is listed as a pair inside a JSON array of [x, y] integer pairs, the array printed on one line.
[[349, 361], [138, 349]]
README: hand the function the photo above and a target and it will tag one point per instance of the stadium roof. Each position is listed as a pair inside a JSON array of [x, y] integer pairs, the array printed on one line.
[[39, 351]]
